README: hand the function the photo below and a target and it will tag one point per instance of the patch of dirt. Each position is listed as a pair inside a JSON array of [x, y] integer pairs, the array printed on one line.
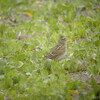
[[13, 19], [22, 37], [83, 76]]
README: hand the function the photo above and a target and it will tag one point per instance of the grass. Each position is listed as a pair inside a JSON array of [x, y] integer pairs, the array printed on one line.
[[28, 29]]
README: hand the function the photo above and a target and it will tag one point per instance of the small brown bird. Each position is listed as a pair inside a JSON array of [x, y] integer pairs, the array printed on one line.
[[59, 51]]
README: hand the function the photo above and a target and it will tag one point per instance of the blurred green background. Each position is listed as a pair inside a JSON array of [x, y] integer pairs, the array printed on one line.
[[28, 29]]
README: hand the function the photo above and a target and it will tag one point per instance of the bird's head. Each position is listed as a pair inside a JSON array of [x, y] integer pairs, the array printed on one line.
[[62, 39]]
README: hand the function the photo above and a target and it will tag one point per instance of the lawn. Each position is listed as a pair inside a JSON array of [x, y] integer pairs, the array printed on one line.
[[29, 29]]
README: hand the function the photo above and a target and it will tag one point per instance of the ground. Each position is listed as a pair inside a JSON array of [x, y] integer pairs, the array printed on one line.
[[29, 29]]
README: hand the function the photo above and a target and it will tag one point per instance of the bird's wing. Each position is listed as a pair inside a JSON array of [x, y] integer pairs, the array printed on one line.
[[55, 51]]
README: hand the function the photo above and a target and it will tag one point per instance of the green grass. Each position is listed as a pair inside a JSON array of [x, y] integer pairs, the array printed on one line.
[[22, 77]]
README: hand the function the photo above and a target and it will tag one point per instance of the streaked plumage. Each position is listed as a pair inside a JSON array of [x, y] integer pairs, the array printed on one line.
[[59, 51]]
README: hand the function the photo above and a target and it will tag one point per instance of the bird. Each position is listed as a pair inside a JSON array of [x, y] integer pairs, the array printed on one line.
[[58, 52]]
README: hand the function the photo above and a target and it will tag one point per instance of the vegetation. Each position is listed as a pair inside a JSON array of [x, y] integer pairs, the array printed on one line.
[[28, 29]]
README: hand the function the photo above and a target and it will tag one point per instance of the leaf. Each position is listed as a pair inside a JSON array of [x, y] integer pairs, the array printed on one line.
[[82, 68], [29, 14], [94, 85], [40, 5], [71, 55], [75, 91], [2, 77], [1, 97], [28, 74], [70, 40], [13, 92]]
